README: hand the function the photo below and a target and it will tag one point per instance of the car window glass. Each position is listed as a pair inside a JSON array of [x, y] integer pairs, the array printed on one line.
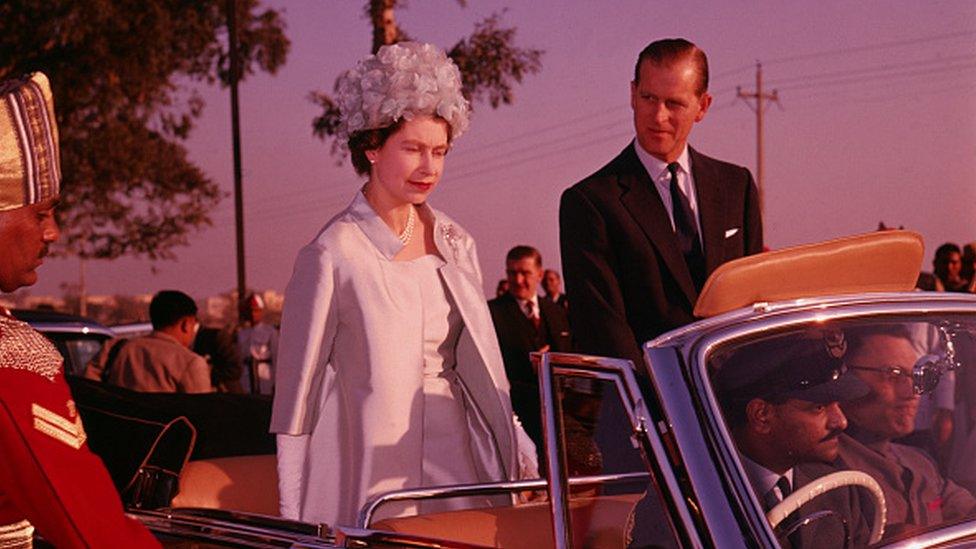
[[81, 351], [892, 398], [597, 435]]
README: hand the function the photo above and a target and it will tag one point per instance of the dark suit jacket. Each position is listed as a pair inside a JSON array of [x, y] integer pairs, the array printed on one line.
[[624, 271], [517, 337]]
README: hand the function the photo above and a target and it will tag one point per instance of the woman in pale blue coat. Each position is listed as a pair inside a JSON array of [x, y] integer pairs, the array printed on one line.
[[389, 374]]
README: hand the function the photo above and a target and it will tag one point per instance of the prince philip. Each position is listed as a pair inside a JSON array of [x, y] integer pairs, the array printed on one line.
[[640, 236]]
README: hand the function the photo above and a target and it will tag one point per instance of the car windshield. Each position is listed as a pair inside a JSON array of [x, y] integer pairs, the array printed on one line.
[[892, 400]]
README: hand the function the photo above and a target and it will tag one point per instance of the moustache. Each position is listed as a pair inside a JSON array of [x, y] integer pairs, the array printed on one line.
[[832, 435]]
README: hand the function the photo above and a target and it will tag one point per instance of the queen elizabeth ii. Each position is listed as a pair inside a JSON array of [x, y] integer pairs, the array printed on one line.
[[389, 373]]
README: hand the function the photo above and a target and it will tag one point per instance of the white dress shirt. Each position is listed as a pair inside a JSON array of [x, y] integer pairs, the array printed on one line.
[[524, 305], [658, 171], [762, 479]]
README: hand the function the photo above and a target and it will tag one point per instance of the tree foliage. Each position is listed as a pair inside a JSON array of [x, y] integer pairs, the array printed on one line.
[[123, 75], [491, 64]]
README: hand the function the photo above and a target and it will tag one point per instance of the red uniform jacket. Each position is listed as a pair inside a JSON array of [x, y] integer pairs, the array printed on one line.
[[48, 475]]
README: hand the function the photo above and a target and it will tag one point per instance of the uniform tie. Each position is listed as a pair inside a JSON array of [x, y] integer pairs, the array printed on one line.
[[784, 487], [793, 540], [686, 230], [772, 498]]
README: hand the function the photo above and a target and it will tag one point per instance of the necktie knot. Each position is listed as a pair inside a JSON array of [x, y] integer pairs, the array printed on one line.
[[673, 170]]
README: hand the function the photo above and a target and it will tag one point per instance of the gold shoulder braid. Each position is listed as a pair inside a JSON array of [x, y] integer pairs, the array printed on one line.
[[19, 535], [23, 348]]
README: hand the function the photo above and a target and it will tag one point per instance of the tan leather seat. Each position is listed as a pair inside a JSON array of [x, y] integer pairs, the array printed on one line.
[[243, 483], [597, 522]]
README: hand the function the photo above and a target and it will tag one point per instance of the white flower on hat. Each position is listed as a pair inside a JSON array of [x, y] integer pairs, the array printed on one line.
[[400, 81]]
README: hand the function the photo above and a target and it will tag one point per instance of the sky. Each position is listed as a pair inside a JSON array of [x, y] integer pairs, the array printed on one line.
[[876, 121]]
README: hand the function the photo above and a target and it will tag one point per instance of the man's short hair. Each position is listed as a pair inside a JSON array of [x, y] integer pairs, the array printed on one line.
[[857, 336], [669, 50], [170, 306], [524, 252]]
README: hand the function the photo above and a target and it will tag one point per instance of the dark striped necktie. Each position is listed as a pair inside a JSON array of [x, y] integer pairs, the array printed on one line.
[[686, 230]]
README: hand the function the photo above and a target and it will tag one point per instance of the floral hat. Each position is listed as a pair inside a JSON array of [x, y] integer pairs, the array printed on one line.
[[402, 80]]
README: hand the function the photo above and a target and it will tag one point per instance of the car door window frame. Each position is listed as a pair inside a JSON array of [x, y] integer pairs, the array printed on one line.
[[621, 374], [780, 319]]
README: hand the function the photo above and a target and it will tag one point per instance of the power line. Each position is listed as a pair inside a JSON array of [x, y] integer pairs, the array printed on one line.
[[496, 162], [872, 47], [891, 76], [876, 69]]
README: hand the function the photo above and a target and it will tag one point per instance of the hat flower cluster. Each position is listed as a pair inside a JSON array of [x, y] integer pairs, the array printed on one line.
[[400, 81]]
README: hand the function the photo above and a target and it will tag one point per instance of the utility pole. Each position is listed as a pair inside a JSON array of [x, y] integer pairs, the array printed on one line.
[[760, 98], [235, 119]]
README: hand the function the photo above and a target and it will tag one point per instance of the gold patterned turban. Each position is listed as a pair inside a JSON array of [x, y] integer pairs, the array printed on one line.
[[30, 161]]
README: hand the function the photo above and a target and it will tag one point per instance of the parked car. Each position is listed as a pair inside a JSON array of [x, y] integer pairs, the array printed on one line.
[[637, 453], [77, 338]]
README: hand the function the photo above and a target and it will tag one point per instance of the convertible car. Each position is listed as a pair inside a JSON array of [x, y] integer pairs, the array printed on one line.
[[638, 455]]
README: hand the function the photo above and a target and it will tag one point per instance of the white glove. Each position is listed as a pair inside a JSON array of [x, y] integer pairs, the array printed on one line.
[[292, 450]]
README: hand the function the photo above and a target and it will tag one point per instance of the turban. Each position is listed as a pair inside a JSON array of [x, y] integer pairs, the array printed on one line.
[[30, 165]]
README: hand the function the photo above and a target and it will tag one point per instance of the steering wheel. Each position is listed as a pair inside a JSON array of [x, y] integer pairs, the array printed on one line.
[[802, 495]]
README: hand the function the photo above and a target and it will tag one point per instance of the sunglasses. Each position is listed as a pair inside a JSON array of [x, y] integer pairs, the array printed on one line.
[[924, 376]]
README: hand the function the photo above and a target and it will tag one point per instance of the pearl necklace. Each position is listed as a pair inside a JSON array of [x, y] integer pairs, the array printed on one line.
[[408, 230]]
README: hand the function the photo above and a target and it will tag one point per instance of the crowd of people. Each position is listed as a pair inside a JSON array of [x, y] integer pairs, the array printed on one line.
[[392, 371]]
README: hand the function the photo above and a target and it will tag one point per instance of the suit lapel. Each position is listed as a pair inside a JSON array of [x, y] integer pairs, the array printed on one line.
[[643, 202], [710, 194]]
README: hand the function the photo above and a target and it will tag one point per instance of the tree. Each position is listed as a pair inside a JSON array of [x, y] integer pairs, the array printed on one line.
[[491, 65], [122, 73]]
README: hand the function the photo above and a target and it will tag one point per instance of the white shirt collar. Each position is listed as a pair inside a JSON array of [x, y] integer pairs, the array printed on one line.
[[656, 168], [762, 479]]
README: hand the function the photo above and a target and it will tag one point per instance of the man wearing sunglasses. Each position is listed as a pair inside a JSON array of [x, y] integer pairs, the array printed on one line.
[[916, 494], [780, 399]]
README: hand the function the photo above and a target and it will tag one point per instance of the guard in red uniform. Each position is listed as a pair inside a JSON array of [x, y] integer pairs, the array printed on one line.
[[49, 479]]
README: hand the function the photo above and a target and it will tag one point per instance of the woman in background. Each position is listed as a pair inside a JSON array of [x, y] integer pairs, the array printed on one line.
[[388, 372]]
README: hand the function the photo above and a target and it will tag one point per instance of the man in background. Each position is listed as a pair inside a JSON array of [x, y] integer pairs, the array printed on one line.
[[552, 284], [525, 323], [257, 343], [162, 361]]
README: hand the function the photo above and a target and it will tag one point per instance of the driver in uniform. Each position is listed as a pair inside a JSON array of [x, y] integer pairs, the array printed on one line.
[[780, 400], [49, 479]]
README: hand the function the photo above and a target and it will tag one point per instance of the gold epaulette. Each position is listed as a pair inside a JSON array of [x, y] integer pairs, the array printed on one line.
[[23, 348]]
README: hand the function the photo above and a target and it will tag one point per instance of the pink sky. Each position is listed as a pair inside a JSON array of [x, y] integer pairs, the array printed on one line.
[[877, 122]]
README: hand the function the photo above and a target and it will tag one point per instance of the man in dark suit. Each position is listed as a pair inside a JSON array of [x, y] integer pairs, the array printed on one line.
[[640, 236], [552, 285], [781, 400], [525, 323]]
